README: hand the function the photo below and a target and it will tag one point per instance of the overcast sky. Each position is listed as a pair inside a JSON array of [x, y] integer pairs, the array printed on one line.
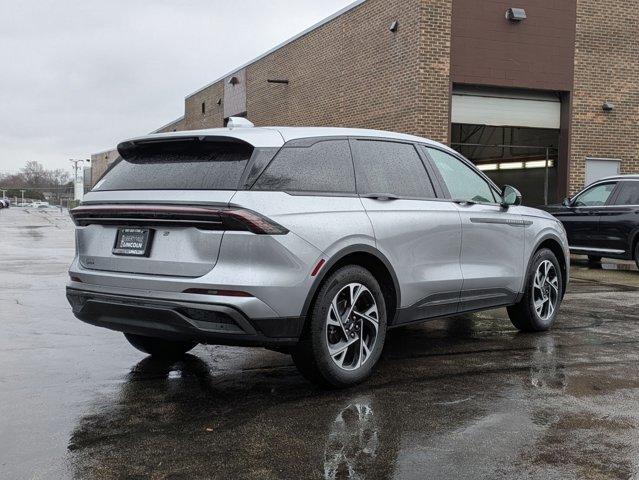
[[78, 76]]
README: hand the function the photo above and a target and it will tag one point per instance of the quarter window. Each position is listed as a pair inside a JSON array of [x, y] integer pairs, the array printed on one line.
[[392, 168], [462, 181], [595, 196], [326, 167], [628, 194]]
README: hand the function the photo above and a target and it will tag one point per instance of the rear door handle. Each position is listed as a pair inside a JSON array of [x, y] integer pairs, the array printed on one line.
[[381, 196]]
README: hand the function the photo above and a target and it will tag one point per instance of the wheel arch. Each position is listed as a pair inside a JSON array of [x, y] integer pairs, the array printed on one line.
[[553, 244], [369, 258]]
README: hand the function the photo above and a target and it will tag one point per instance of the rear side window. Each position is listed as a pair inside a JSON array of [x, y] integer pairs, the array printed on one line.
[[392, 168], [628, 194], [325, 167], [179, 165]]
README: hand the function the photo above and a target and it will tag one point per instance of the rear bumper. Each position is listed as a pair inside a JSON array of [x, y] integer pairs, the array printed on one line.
[[212, 323]]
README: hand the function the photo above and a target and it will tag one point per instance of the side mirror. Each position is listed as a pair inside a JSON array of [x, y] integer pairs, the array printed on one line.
[[510, 196], [567, 202]]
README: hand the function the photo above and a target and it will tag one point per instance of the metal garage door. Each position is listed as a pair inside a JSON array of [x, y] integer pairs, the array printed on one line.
[[505, 108]]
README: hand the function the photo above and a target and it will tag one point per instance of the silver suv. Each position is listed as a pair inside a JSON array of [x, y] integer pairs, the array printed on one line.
[[309, 241]]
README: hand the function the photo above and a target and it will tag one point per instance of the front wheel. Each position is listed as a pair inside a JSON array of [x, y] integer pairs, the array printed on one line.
[[537, 310], [345, 332], [159, 347]]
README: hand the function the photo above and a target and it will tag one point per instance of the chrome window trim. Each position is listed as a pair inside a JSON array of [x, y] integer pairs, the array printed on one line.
[[601, 250]]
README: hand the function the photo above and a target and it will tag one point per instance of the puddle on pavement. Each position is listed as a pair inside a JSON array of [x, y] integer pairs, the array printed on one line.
[[605, 264]]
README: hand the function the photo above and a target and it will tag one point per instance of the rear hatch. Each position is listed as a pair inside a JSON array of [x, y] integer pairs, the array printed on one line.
[[162, 208]]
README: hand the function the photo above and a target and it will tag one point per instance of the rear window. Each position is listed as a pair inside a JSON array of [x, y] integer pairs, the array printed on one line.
[[628, 194], [178, 165]]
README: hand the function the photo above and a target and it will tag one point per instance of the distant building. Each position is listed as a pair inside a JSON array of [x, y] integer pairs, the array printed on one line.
[[100, 162]]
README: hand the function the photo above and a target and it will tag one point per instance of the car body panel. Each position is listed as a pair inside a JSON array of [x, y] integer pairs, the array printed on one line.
[[422, 240], [329, 223], [492, 256]]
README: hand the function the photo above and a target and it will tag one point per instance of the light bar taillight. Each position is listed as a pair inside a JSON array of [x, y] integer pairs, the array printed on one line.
[[205, 218]]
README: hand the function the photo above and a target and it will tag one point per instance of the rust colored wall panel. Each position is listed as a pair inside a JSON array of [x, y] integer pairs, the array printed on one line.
[[537, 53]]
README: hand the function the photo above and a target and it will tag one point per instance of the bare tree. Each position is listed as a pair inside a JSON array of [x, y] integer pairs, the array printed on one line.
[[34, 174]]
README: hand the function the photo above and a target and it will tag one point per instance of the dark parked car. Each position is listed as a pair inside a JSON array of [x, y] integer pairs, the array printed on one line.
[[603, 219]]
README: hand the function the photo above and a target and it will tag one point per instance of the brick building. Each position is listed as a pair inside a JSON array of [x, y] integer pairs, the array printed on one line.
[[546, 99]]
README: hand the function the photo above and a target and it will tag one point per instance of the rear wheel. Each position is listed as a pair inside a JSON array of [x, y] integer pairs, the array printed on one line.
[[345, 332], [594, 259], [537, 310], [159, 347], [637, 254]]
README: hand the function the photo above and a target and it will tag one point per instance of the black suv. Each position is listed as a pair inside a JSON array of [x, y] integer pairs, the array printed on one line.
[[603, 219]]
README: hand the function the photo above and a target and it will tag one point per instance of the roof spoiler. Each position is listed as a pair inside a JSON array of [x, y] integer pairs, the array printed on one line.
[[129, 148]]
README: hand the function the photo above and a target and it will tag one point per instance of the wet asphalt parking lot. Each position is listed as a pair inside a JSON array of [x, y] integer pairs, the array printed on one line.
[[463, 397]]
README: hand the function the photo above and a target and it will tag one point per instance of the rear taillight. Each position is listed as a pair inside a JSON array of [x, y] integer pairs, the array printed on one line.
[[204, 218], [255, 222]]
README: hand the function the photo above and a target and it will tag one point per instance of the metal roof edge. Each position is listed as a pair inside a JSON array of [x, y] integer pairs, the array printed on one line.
[[157, 130], [339, 13], [103, 151]]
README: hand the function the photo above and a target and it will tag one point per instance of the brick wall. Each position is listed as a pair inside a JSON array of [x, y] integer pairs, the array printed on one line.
[[606, 69], [213, 115], [100, 162], [354, 72]]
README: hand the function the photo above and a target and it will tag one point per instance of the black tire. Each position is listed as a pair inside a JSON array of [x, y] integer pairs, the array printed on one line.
[[311, 355], [159, 347], [594, 259], [637, 254], [523, 314]]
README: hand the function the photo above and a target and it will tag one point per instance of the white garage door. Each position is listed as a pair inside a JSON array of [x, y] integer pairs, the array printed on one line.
[[499, 108]]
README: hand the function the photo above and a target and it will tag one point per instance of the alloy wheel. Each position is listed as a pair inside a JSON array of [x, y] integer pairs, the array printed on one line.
[[352, 324], [545, 290]]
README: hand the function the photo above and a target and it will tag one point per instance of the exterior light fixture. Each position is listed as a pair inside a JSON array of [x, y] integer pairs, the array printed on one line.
[[511, 165], [394, 27], [532, 164], [488, 167], [234, 80], [219, 101], [516, 14], [608, 107]]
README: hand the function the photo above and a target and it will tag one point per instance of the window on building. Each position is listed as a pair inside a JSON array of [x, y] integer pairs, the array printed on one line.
[[462, 181], [203, 108], [628, 194], [325, 166], [391, 167]]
